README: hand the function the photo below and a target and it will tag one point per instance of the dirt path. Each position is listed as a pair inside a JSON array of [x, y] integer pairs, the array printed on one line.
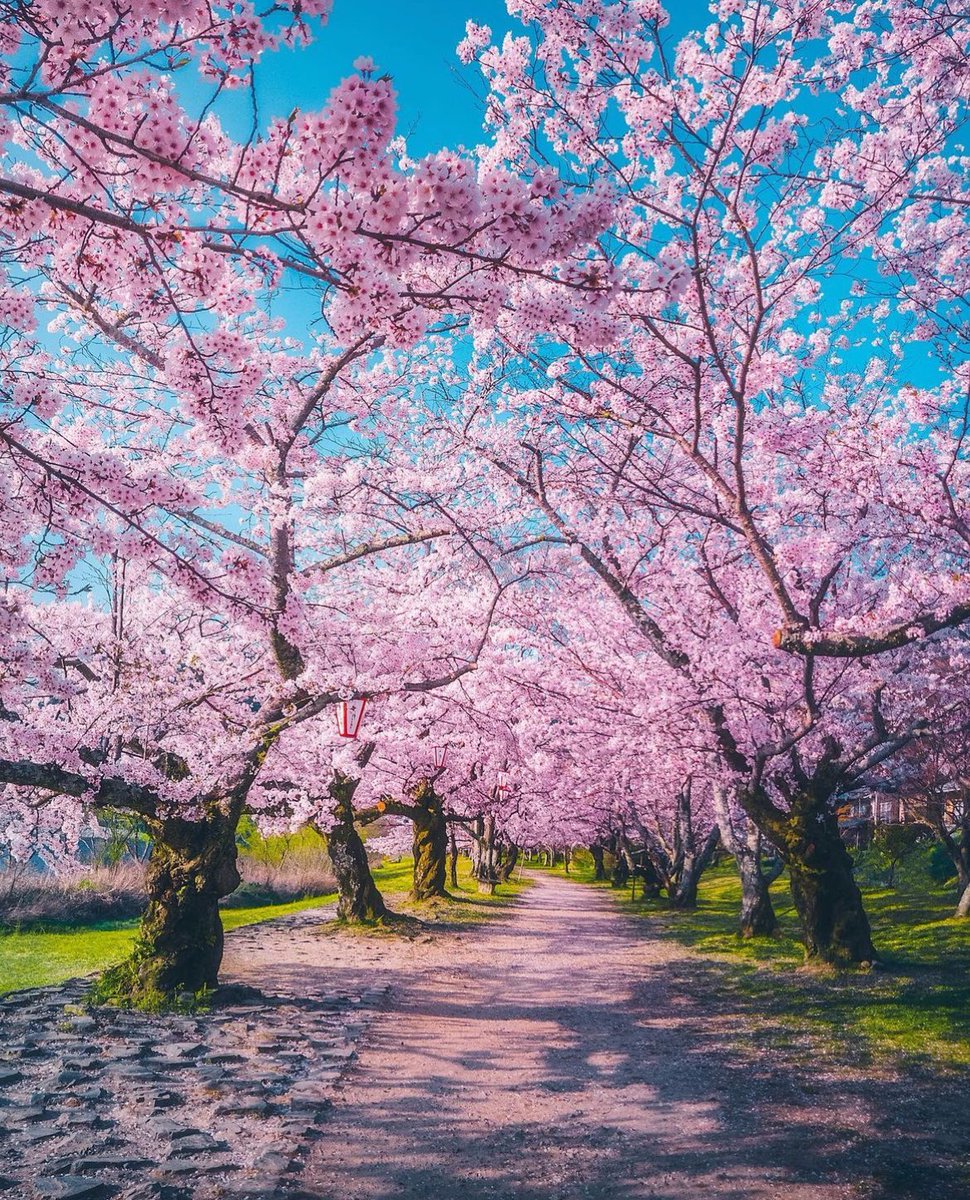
[[562, 1050], [552, 1054]]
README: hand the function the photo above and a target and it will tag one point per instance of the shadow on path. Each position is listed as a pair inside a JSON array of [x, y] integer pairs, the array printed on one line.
[[564, 1052]]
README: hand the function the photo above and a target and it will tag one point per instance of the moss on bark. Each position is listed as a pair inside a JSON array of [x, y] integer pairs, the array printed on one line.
[[360, 900], [180, 942], [430, 844]]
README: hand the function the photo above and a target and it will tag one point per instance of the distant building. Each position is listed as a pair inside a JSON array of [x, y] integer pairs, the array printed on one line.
[[862, 811]]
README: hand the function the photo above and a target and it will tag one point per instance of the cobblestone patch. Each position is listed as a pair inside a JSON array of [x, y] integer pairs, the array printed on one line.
[[108, 1103]]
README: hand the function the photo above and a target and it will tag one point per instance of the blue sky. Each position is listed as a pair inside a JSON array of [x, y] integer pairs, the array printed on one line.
[[413, 41]]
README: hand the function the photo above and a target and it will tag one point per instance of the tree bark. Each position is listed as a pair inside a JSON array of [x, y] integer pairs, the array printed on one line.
[[758, 917], [695, 862], [835, 927], [650, 877], [957, 844], [430, 843], [622, 865], [477, 833], [359, 897], [599, 866], [963, 906], [180, 941], [683, 868], [453, 860], [486, 873], [504, 872]]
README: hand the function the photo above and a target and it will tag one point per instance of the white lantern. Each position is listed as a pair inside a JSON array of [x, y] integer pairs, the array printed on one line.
[[503, 783], [350, 713], [440, 757]]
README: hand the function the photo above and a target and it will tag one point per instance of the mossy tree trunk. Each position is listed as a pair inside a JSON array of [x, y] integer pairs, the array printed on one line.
[[430, 851], [835, 928], [180, 941], [359, 897], [430, 846], [829, 904]]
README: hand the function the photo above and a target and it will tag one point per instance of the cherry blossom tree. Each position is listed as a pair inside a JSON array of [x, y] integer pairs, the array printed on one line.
[[786, 737], [725, 401], [246, 468], [612, 347]]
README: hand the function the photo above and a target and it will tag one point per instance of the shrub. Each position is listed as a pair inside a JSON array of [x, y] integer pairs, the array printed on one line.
[[282, 867], [914, 860], [32, 898], [939, 864], [300, 874], [279, 870]]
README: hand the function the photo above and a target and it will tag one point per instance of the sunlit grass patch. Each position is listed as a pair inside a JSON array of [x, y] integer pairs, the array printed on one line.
[[915, 1005], [466, 906], [36, 958]]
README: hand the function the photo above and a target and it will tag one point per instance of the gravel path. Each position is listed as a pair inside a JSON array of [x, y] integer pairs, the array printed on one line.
[[552, 1056], [113, 1105]]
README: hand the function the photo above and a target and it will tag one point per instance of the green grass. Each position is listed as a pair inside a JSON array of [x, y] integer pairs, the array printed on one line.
[[235, 918], [393, 877], [467, 905], [38, 957], [916, 1006], [35, 958]]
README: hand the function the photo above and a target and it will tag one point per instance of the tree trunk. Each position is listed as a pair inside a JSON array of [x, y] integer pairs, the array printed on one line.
[[453, 860], [359, 897], [486, 875], [599, 866], [758, 917], [757, 912], [834, 924], [477, 834], [695, 862], [180, 942], [504, 873], [957, 844], [430, 844], [651, 880], [621, 868]]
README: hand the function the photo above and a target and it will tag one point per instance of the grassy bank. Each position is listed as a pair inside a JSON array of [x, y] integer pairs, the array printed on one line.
[[914, 1006], [34, 958], [467, 905]]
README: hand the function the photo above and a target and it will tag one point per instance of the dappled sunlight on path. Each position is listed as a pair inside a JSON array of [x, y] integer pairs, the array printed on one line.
[[549, 1055]]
